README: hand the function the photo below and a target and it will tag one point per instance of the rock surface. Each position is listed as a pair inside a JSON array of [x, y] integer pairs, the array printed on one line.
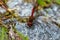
[[44, 27]]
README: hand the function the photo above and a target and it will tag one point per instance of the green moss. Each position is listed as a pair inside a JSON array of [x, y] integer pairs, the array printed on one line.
[[45, 2], [22, 35], [4, 36], [3, 33], [57, 1], [5, 1], [49, 1]]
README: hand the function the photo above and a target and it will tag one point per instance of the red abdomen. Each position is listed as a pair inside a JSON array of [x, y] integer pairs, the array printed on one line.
[[30, 22]]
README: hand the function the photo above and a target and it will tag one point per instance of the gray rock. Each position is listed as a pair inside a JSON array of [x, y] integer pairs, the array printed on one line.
[[43, 28]]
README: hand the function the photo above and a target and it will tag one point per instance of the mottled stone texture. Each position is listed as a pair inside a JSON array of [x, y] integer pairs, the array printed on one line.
[[44, 27]]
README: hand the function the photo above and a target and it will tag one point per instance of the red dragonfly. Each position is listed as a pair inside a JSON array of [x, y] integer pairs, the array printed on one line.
[[31, 18]]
